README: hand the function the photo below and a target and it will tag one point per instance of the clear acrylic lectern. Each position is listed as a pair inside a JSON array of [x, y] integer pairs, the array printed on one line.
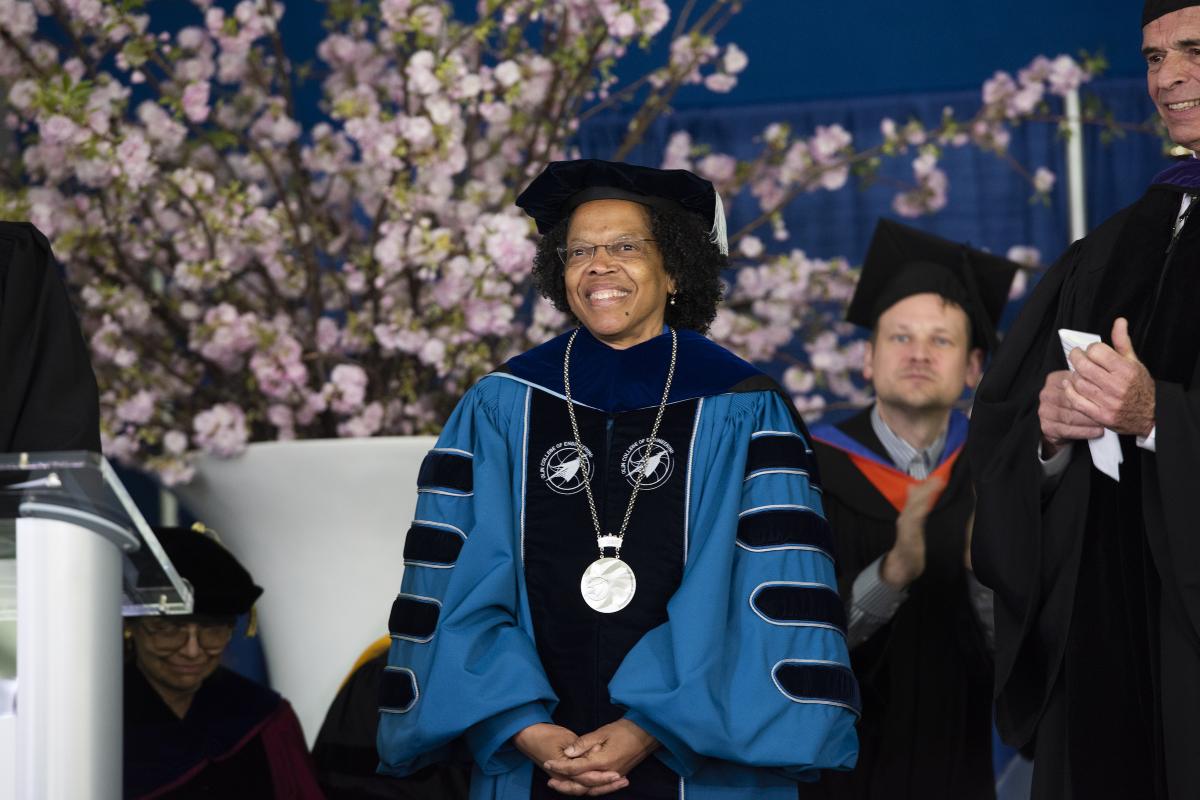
[[84, 557]]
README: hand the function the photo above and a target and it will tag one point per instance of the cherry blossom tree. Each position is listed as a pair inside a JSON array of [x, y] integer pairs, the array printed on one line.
[[242, 277]]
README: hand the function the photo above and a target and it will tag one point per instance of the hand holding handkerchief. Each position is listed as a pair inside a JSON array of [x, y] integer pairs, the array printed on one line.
[[1106, 448]]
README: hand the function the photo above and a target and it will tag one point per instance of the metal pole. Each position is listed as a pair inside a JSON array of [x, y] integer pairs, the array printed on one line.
[[69, 709], [1076, 200]]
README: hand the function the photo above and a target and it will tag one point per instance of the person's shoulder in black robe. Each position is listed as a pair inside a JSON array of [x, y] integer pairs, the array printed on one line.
[[49, 400], [346, 757], [925, 675]]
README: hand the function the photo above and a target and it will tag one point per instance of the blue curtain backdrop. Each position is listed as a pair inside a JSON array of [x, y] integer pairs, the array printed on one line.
[[989, 203]]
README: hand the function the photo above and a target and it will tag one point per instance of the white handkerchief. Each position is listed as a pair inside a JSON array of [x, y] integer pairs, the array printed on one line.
[[1106, 448]]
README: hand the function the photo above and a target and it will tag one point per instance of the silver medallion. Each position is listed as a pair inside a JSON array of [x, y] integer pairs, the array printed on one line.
[[608, 585]]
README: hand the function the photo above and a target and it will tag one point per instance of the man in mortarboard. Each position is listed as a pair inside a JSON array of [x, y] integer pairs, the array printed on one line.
[[1086, 470], [629, 446], [898, 497], [194, 729]]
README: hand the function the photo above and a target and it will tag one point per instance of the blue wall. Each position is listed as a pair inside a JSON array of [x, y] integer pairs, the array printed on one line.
[[801, 50]]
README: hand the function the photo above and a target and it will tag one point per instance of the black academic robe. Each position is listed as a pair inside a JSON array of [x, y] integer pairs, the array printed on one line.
[[1098, 583], [48, 394], [346, 757], [926, 676], [237, 740]]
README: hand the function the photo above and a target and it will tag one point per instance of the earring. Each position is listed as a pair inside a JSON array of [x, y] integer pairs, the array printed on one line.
[[672, 298]]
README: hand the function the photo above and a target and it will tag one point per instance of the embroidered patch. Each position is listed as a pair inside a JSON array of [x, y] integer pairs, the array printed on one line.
[[564, 469], [655, 458]]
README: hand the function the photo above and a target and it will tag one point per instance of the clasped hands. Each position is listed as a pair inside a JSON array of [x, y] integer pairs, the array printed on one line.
[[591, 765], [1110, 388]]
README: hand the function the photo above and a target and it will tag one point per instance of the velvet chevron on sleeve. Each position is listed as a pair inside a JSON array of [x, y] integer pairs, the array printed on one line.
[[462, 665], [748, 681]]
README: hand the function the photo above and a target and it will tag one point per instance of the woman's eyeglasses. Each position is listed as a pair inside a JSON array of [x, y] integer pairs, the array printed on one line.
[[172, 634], [578, 255]]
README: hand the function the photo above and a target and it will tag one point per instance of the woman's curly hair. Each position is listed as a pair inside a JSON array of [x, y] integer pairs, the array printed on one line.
[[689, 257]]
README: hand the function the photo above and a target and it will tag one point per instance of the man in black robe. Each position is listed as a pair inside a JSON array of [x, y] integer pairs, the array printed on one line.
[[899, 500], [1097, 580], [48, 395]]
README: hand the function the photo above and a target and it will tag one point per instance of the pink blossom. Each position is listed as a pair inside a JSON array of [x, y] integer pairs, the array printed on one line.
[[678, 152], [58, 130], [433, 352], [751, 247], [18, 18], [798, 380], [221, 430], [133, 154], [828, 141], [720, 82], [1025, 100], [1066, 75], [998, 88], [395, 13], [137, 409], [735, 59], [1043, 180], [624, 26], [348, 383], [507, 73], [175, 442], [365, 424], [717, 168], [278, 369], [22, 94], [195, 101], [328, 335]]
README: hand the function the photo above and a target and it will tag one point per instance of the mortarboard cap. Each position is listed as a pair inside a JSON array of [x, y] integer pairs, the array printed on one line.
[[1153, 9], [904, 261], [222, 587], [563, 186]]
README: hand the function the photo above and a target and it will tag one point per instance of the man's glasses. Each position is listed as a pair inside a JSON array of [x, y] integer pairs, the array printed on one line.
[[579, 255], [173, 634]]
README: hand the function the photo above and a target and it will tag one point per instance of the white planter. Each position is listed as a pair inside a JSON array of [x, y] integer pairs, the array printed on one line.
[[320, 525]]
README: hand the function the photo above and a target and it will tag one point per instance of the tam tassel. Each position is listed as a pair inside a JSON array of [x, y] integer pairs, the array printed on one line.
[[719, 235]]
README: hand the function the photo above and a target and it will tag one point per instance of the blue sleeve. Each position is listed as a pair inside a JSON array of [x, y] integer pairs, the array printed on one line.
[[751, 666], [461, 666]]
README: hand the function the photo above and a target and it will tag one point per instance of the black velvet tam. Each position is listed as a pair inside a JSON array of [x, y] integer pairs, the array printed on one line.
[[563, 186], [221, 585], [1153, 9], [904, 261]]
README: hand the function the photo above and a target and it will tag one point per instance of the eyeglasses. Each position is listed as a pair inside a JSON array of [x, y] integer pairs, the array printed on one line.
[[578, 255], [172, 635]]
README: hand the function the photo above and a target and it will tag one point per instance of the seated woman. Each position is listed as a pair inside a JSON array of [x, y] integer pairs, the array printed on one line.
[[619, 579], [194, 729]]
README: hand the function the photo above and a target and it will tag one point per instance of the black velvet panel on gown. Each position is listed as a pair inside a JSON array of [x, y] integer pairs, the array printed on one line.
[[581, 649]]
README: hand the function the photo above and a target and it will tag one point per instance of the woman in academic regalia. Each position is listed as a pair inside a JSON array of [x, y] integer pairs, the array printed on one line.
[[194, 729], [619, 580]]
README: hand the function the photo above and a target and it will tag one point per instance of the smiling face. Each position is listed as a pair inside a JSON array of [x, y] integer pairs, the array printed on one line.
[[920, 358], [175, 671], [620, 301], [1171, 47]]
